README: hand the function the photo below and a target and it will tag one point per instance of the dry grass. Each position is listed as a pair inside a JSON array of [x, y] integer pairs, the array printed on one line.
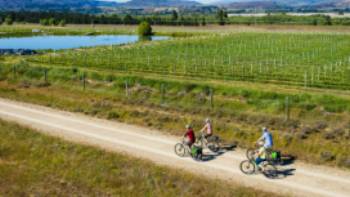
[[33, 164]]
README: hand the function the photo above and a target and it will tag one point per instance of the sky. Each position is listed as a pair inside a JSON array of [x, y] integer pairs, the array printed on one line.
[[201, 1]]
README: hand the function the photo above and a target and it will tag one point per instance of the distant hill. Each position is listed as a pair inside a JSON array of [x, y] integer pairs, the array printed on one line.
[[51, 4], [89, 5], [275, 4], [160, 3]]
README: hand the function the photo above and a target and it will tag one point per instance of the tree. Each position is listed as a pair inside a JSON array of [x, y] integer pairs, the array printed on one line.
[[174, 15], [44, 22], [328, 20], [52, 21], [204, 22], [1, 21], [128, 19], [62, 23], [8, 20], [221, 15], [145, 29]]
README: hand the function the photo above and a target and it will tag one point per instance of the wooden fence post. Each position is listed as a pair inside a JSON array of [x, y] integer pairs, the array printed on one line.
[[45, 75], [287, 112], [14, 71], [84, 81], [126, 89], [211, 98], [162, 91]]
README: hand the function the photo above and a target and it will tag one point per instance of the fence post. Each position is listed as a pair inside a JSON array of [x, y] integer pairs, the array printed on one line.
[[287, 112], [126, 89], [45, 75], [84, 81], [305, 79], [14, 71], [211, 98], [162, 91]]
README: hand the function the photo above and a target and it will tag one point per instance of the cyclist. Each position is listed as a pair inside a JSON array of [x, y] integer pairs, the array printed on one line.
[[207, 128], [266, 147], [189, 136]]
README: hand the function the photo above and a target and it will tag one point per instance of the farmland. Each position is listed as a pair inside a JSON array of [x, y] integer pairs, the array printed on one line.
[[295, 59], [296, 83]]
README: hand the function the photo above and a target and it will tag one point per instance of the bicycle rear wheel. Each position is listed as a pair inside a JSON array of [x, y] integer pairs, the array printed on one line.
[[250, 153], [214, 147], [247, 167]]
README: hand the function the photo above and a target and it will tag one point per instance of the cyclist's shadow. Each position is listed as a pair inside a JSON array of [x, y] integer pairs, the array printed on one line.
[[211, 156], [208, 156], [284, 173]]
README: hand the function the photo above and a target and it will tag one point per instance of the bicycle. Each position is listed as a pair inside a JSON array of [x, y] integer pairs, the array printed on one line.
[[272, 156], [182, 149], [212, 143], [268, 169]]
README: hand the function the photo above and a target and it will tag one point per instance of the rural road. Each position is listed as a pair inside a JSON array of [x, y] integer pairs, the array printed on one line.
[[303, 179]]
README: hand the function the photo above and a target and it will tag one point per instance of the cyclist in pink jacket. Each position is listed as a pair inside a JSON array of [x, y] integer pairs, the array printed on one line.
[[207, 129]]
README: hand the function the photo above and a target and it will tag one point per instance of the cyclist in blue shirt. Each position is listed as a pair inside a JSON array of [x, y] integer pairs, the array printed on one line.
[[267, 139]]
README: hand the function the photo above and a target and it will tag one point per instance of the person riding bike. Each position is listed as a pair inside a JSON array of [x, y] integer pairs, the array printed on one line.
[[207, 128], [190, 137], [266, 147]]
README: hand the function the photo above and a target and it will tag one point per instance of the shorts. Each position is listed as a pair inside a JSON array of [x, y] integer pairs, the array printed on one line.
[[188, 141]]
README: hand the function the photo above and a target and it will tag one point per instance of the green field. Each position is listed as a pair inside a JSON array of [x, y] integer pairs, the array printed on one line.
[[294, 83], [317, 60]]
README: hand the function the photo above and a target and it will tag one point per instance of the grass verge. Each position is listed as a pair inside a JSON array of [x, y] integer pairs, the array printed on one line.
[[32, 163]]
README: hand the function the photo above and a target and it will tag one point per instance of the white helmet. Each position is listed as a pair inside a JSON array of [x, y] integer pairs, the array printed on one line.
[[207, 120], [264, 129], [188, 126]]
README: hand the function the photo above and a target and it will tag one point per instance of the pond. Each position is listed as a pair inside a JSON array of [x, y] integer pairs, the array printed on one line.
[[69, 42]]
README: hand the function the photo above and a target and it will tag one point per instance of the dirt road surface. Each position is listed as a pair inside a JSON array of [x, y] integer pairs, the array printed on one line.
[[297, 179]]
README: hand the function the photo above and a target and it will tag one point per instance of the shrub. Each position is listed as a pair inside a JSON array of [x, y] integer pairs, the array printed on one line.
[[8, 20], [53, 22], [62, 23], [302, 136], [113, 115], [320, 125], [343, 161], [44, 22], [287, 139], [329, 136], [24, 84], [327, 156], [145, 29]]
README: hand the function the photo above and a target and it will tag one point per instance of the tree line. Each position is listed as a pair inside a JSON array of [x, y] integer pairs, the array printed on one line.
[[174, 18]]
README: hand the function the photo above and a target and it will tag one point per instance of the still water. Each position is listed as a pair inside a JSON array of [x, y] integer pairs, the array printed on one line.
[[69, 42]]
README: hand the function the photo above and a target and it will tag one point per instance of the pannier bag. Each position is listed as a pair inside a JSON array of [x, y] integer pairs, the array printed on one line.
[[196, 152], [275, 155]]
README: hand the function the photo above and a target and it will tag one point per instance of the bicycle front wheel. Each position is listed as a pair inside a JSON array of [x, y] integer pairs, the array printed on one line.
[[247, 167], [180, 150]]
